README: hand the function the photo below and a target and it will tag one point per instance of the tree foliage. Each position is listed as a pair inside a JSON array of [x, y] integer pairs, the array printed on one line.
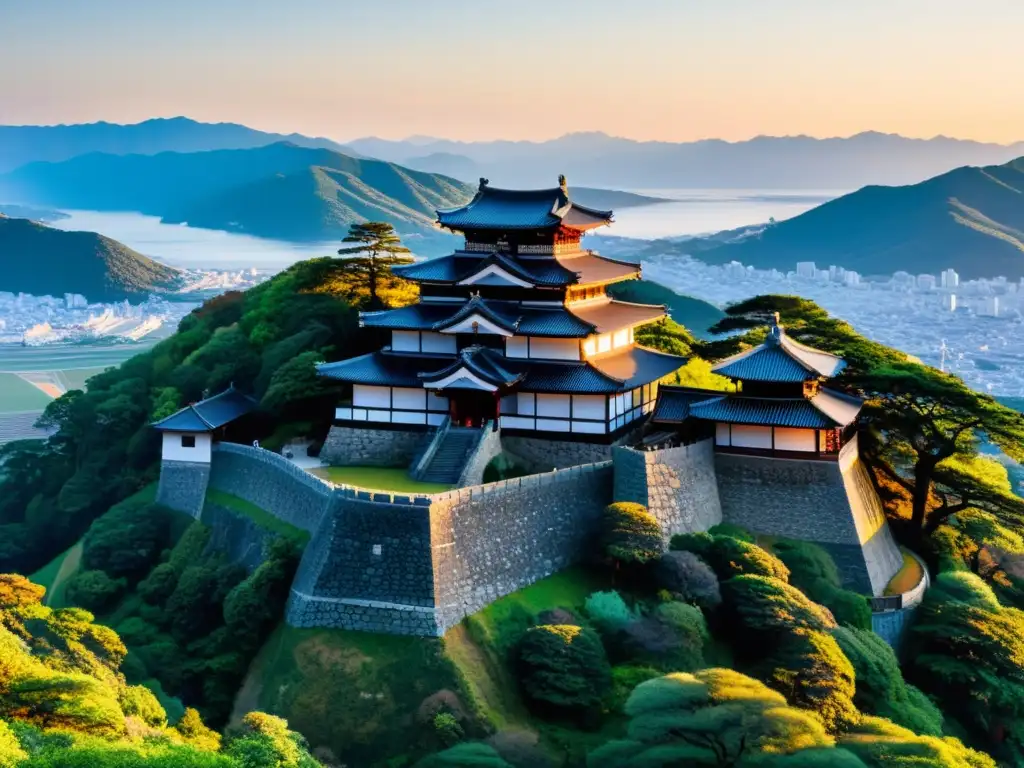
[[563, 668], [630, 534], [371, 273]]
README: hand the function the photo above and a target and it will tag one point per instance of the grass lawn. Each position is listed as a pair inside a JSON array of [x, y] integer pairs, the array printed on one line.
[[46, 575], [261, 517], [378, 478], [908, 577], [16, 394]]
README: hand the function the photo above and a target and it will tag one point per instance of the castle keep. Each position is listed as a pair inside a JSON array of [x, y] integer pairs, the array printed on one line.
[[516, 348]]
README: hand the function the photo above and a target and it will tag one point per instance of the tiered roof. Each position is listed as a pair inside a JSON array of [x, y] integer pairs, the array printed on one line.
[[780, 359], [574, 321], [580, 268], [608, 374], [522, 209], [209, 414]]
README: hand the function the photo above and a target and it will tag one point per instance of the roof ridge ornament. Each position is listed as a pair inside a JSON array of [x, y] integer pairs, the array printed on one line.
[[563, 183], [774, 329], [483, 183]]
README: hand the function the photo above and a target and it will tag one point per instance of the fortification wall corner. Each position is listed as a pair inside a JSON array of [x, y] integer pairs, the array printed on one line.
[[182, 486]]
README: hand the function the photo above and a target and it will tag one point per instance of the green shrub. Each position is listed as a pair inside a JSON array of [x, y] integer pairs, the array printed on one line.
[[697, 543], [757, 604], [608, 611], [128, 539], [473, 755], [625, 678], [447, 729], [630, 534], [94, 590], [848, 608], [11, 753], [158, 586], [563, 669], [881, 689], [687, 577], [732, 531], [732, 557], [881, 744], [139, 701], [807, 563]]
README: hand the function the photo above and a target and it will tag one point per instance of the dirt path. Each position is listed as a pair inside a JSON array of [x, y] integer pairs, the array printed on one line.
[[67, 569]]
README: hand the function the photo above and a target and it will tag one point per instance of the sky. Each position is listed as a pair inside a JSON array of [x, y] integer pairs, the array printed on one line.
[[672, 70]]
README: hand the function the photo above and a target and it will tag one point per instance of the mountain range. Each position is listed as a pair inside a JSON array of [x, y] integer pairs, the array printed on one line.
[[40, 260], [21, 144], [764, 162], [970, 219]]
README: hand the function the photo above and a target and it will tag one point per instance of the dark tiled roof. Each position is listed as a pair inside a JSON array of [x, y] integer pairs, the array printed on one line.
[[579, 268], [824, 411], [780, 358], [590, 267], [494, 208], [488, 364], [514, 317], [673, 405], [638, 365], [209, 414], [383, 369]]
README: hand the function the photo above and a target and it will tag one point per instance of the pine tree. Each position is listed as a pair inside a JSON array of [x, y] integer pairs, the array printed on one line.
[[383, 249]]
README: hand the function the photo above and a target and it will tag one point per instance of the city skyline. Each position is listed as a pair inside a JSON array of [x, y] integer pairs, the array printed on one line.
[[649, 70]]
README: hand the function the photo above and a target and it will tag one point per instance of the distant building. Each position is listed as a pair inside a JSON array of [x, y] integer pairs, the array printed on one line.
[[949, 302], [903, 280], [950, 279], [75, 301], [806, 269], [851, 278], [989, 307], [926, 282]]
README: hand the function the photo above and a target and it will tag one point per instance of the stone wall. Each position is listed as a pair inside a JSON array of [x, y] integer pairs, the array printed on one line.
[[358, 446], [677, 485], [832, 504], [236, 536], [544, 455], [182, 486], [487, 449], [490, 540], [272, 483]]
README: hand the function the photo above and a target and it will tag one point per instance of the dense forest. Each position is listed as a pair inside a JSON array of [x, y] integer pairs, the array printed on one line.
[[722, 649]]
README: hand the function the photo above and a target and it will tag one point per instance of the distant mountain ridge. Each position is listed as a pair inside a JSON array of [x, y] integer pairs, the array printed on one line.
[[970, 219], [22, 144], [764, 162], [40, 260], [277, 191]]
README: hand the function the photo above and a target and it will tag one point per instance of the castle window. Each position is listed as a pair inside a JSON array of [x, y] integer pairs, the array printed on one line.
[[188, 441], [377, 549]]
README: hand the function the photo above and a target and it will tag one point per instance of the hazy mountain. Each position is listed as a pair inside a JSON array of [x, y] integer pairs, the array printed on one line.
[[970, 219], [793, 162], [43, 261], [29, 212], [21, 144], [280, 191]]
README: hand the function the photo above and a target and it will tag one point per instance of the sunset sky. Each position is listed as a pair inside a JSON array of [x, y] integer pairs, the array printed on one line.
[[672, 70]]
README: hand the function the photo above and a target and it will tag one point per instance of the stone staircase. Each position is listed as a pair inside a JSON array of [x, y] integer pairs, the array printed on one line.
[[450, 456]]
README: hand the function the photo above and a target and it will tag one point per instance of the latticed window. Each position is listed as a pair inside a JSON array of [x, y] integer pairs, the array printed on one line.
[[829, 441]]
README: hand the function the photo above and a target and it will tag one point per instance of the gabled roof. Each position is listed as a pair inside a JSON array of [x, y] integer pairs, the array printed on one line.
[[383, 368], [674, 403], [506, 209], [209, 414], [580, 268], [487, 364], [780, 358], [637, 365], [775, 412], [523, 320]]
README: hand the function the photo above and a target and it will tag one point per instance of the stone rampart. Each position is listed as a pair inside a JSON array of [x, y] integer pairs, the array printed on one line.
[[236, 536], [182, 486], [542, 455], [487, 449], [831, 503], [677, 485], [490, 540], [272, 483], [360, 446]]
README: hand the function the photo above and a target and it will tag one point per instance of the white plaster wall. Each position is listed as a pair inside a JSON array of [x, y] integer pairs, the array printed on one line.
[[437, 343], [746, 436], [405, 341], [402, 417], [409, 398], [621, 338], [553, 425], [366, 396], [589, 406], [173, 450], [590, 427], [526, 403], [437, 403], [515, 346], [553, 405], [554, 349], [788, 439], [721, 434]]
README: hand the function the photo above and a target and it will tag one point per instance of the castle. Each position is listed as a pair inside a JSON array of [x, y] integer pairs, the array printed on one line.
[[516, 348]]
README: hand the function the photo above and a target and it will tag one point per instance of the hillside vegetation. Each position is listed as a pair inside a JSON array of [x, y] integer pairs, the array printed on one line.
[[38, 259], [279, 191], [970, 219]]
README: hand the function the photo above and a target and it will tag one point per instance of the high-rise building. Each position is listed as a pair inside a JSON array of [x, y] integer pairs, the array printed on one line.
[[926, 282], [806, 269], [949, 302], [950, 279], [989, 307], [851, 278]]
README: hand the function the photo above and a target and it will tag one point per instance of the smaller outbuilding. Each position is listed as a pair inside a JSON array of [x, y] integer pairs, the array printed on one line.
[[189, 434]]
